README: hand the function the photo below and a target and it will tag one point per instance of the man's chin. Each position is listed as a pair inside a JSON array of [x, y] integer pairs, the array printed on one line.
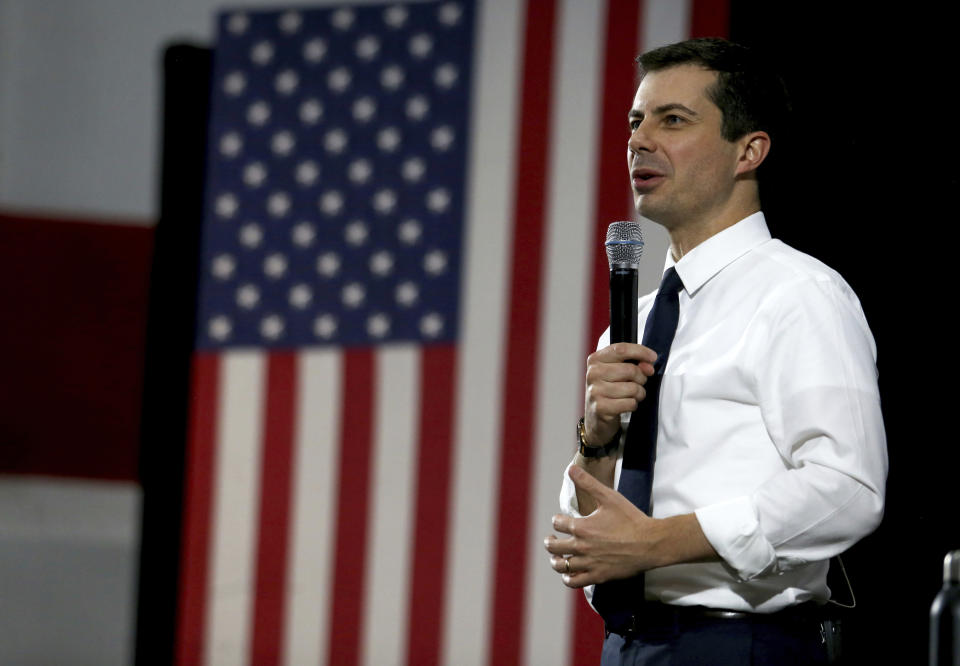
[[647, 208], [655, 214]]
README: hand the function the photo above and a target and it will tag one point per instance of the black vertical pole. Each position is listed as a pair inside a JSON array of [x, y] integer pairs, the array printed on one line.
[[169, 345]]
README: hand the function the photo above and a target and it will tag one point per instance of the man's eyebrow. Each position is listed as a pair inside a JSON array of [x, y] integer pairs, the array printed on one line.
[[664, 108], [675, 106]]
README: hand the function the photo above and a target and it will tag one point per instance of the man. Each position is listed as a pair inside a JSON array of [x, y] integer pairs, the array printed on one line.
[[770, 449]]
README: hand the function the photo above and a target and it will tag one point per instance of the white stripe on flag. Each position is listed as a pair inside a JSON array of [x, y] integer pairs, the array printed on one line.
[[664, 22], [570, 208], [312, 512], [236, 493], [391, 517], [478, 408]]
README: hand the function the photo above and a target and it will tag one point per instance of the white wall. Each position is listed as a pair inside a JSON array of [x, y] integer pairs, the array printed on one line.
[[67, 571], [80, 88]]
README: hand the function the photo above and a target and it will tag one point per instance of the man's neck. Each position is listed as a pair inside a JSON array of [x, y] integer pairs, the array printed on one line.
[[689, 233]]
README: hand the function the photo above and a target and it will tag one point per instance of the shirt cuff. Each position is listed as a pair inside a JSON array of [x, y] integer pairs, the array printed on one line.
[[733, 530], [568, 494], [570, 506]]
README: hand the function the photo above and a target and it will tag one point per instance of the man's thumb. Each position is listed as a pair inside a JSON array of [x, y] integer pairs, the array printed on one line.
[[585, 481]]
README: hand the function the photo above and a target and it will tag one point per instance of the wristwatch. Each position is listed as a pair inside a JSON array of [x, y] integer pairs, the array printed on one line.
[[588, 451]]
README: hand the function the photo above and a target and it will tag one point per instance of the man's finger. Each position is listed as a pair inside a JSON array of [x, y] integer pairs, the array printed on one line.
[[614, 390], [564, 565], [618, 372], [586, 482], [625, 351], [558, 564], [562, 523], [578, 579]]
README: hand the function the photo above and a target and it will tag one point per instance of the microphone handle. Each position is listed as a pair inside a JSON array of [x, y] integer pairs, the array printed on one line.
[[623, 304]]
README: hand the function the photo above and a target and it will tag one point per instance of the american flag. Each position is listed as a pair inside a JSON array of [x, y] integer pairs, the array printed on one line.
[[402, 273]]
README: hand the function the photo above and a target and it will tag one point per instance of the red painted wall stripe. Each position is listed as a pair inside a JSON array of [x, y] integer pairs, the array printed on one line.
[[612, 204], [524, 317], [198, 503], [74, 296], [429, 561], [353, 500], [275, 486], [710, 18]]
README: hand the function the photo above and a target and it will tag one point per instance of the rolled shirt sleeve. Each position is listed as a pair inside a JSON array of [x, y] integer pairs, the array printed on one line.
[[733, 530], [816, 382], [568, 494]]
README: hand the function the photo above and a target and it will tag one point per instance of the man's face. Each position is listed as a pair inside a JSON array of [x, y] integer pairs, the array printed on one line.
[[681, 169]]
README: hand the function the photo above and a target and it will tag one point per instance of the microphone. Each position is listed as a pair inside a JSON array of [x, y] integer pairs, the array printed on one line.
[[624, 246]]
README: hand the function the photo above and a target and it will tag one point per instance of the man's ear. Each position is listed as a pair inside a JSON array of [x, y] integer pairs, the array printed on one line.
[[754, 148]]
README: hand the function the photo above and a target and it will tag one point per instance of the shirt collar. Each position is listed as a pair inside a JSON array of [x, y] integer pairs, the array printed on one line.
[[711, 256]]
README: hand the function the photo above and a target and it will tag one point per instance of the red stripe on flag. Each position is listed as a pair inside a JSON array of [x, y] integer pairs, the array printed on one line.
[[353, 500], [621, 38], [710, 18], [623, 20], [275, 474], [510, 586], [437, 373], [198, 503]]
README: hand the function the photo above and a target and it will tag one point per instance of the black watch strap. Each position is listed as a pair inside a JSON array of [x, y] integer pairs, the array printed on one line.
[[588, 451]]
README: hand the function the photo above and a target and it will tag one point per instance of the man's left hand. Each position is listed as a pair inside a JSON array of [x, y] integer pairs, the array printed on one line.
[[616, 541]]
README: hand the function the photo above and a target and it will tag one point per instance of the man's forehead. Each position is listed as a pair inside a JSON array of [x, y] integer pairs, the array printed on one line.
[[680, 84]]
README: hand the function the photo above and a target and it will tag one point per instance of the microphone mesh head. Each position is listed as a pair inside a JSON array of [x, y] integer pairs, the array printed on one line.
[[624, 243]]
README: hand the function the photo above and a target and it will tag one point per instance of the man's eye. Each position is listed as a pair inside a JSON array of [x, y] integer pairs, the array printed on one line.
[[673, 119], [634, 124]]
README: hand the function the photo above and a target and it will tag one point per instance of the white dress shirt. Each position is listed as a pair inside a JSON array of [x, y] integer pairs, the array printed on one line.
[[769, 425]]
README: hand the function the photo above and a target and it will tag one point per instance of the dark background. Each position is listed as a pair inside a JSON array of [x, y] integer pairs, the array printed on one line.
[[866, 184]]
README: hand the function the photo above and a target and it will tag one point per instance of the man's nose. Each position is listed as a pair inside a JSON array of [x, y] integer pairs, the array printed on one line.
[[640, 140]]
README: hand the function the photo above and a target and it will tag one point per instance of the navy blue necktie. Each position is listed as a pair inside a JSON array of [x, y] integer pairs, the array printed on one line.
[[617, 601]]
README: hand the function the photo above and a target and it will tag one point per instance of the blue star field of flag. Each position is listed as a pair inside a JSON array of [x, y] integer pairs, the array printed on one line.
[[335, 190]]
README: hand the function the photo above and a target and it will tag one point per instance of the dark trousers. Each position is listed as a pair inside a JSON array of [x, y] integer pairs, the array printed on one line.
[[759, 640]]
